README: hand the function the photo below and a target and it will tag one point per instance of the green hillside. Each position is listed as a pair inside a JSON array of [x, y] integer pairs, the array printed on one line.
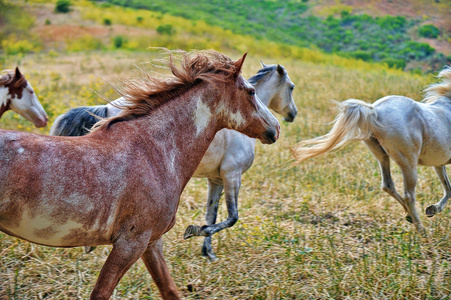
[[380, 39]]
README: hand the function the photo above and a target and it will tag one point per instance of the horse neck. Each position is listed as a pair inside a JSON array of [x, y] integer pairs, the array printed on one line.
[[4, 100], [179, 133]]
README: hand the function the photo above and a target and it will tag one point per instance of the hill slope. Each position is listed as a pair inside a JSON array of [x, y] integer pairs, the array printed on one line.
[[386, 31]]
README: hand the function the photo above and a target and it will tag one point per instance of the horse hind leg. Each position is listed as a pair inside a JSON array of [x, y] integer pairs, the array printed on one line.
[[387, 184], [214, 193], [438, 207]]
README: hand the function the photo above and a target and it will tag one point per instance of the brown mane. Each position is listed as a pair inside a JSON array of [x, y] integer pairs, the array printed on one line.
[[146, 92], [10, 80]]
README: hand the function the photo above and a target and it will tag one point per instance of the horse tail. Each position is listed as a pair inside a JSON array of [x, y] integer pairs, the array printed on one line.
[[356, 121], [440, 89], [78, 121]]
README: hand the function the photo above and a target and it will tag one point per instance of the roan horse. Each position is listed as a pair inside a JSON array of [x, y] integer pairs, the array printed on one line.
[[17, 94], [228, 157], [121, 184], [397, 127]]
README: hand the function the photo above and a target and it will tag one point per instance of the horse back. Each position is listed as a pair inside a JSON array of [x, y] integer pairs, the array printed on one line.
[[421, 129]]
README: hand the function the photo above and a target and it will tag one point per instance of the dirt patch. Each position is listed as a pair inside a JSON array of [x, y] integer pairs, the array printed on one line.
[[60, 33]]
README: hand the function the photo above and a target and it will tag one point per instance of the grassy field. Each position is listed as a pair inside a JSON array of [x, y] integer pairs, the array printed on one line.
[[320, 230]]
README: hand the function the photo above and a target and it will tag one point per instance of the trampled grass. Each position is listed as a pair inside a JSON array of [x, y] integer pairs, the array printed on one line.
[[320, 230]]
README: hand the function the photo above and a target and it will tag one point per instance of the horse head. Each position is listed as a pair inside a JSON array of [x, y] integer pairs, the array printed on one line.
[[280, 90], [247, 114], [24, 101]]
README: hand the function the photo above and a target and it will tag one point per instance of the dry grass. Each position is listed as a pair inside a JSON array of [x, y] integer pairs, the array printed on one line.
[[321, 230]]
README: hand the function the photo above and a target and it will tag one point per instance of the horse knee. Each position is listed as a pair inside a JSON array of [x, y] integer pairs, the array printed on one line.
[[233, 219]]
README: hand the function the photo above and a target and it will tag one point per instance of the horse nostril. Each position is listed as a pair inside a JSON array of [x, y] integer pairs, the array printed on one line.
[[290, 117], [270, 136]]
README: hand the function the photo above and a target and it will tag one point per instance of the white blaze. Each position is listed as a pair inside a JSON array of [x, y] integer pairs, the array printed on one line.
[[237, 118], [202, 116], [3, 94]]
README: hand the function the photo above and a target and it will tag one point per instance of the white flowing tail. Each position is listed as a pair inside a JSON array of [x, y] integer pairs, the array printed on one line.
[[356, 121]]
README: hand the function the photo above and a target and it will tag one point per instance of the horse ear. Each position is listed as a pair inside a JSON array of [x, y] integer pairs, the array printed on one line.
[[280, 70], [17, 75], [263, 65], [238, 64]]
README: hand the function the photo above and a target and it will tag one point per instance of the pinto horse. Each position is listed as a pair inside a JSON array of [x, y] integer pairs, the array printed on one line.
[[17, 94], [397, 127], [120, 185], [228, 157]]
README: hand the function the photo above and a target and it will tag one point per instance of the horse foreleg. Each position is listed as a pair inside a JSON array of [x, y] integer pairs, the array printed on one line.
[[232, 184], [156, 265], [214, 193], [438, 207], [124, 254], [387, 185]]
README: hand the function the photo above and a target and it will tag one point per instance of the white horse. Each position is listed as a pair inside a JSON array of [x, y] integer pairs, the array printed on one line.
[[228, 156], [17, 94], [397, 127]]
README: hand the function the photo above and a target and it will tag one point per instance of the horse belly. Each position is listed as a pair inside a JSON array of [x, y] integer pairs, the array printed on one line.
[[434, 156], [46, 229]]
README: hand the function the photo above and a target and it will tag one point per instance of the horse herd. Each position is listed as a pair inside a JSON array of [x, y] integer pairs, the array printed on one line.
[[113, 174]]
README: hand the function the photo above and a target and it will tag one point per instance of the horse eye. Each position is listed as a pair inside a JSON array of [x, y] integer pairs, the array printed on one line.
[[252, 92]]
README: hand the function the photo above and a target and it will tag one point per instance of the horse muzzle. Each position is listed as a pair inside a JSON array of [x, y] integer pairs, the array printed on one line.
[[290, 117], [40, 122], [270, 136]]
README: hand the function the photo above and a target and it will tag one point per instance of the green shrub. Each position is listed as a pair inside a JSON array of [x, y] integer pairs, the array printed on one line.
[[107, 21], [62, 6], [429, 31], [395, 63], [166, 29], [48, 22], [363, 55], [119, 41]]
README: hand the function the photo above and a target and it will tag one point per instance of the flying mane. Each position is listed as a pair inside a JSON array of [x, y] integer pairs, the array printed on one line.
[[146, 93], [441, 89], [263, 72]]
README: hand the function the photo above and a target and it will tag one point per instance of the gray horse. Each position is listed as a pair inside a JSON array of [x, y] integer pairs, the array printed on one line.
[[409, 132]]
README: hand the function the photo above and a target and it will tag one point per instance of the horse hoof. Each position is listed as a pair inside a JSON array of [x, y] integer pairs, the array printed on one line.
[[431, 210], [409, 219], [191, 230], [210, 256]]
